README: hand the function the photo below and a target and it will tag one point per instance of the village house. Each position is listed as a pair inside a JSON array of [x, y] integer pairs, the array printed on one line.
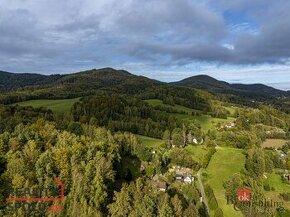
[[160, 185], [183, 175], [178, 178], [230, 125], [188, 179]]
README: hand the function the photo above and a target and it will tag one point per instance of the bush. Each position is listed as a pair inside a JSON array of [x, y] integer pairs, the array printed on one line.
[[267, 187], [208, 156], [212, 202], [76, 128], [218, 213], [285, 196]]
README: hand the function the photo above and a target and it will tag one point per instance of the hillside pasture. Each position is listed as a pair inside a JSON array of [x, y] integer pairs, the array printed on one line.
[[57, 106], [224, 163], [277, 186], [150, 142], [197, 152], [206, 121], [274, 143]]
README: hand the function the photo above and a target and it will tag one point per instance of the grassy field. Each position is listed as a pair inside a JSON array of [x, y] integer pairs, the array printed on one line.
[[224, 163], [231, 108], [58, 106], [275, 143], [206, 122], [274, 180], [177, 107], [197, 152], [150, 142]]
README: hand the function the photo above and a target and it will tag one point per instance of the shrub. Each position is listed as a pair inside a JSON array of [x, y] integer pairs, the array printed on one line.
[[285, 196], [218, 213], [267, 187]]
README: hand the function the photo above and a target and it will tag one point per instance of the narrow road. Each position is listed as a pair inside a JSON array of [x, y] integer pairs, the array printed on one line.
[[202, 192]]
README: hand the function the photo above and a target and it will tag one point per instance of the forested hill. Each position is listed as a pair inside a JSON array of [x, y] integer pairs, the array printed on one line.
[[91, 78], [21, 87], [108, 77], [9, 81], [255, 91]]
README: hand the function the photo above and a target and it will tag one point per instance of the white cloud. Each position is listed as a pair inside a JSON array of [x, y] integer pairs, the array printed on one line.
[[150, 36]]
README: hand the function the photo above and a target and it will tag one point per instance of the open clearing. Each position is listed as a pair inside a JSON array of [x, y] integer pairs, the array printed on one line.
[[274, 180], [206, 122], [58, 105], [273, 143], [150, 142], [176, 107], [224, 163], [197, 152]]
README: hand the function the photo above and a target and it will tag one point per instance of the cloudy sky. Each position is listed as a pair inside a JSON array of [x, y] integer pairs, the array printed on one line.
[[244, 41]]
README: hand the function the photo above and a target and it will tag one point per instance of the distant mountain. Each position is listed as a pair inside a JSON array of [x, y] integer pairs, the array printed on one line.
[[203, 82], [87, 82], [9, 81], [255, 91], [90, 80]]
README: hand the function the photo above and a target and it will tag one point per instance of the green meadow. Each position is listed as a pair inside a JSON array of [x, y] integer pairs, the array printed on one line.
[[224, 163], [277, 186], [57, 106], [150, 142], [206, 121], [197, 152]]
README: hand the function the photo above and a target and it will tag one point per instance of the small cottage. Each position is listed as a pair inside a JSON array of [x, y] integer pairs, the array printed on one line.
[[161, 186], [179, 178], [188, 179], [230, 125]]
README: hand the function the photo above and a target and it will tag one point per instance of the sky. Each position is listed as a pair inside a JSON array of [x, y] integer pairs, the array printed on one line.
[[239, 41]]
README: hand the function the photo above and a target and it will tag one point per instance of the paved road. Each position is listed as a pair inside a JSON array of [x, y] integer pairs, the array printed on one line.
[[202, 192]]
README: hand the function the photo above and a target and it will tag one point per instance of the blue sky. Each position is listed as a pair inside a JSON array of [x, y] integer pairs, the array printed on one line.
[[244, 41]]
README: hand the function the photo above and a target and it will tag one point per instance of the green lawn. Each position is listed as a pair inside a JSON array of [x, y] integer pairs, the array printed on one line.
[[58, 106], [224, 163], [150, 142]]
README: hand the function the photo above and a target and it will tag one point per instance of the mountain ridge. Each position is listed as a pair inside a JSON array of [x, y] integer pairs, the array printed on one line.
[[110, 78], [256, 90]]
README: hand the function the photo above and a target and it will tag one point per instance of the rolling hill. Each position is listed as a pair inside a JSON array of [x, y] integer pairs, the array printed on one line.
[[90, 79], [25, 86], [253, 91], [10, 81]]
